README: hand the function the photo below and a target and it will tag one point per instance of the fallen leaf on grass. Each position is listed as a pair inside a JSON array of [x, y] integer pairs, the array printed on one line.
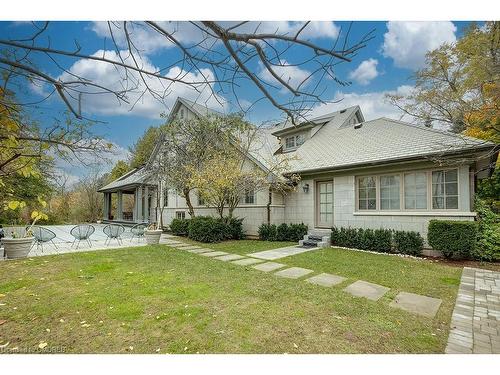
[[295, 345], [157, 350], [2, 295], [42, 345], [61, 320], [47, 329], [2, 321], [4, 345], [85, 325]]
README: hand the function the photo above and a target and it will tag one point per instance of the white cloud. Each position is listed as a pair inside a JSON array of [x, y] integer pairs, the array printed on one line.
[[149, 41], [372, 104], [291, 74], [408, 42], [141, 101], [365, 72]]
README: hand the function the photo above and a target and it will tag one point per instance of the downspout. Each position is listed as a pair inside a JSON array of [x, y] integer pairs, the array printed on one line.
[[269, 201]]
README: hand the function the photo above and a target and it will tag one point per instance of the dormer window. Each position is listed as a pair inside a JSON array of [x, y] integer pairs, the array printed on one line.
[[294, 141]]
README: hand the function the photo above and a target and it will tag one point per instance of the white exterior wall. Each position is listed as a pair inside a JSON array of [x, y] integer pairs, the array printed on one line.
[[300, 206]]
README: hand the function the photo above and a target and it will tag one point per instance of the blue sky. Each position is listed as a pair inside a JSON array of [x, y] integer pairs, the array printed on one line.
[[385, 65]]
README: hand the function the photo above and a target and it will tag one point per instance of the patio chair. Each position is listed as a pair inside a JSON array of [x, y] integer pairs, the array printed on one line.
[[42, 235], [82, 232], [113, 231], [138, 231]]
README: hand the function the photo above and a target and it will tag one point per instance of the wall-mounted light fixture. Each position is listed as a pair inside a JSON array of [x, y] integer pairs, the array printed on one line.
[[305, 187]]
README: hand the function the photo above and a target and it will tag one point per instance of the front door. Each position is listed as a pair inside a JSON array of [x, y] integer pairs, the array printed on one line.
[[324, 204]]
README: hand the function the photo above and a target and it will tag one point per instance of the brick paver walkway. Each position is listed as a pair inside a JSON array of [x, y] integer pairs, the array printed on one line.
[[475, 324]]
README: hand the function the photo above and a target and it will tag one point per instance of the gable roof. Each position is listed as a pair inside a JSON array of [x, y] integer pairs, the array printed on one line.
[[198, 109], [135, 177], [377, 141]]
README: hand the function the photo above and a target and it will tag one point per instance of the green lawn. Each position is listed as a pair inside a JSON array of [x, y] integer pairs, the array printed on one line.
[[159, 299]]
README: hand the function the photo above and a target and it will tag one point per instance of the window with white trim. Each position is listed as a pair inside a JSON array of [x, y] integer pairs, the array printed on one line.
[[415, 191], [389, 192], [180, 214], [249, 196], [445, 189], [294, 141], [367, 193], [201, 201]]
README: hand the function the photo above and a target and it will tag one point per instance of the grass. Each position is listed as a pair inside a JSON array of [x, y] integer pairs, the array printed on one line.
[[158, 299]]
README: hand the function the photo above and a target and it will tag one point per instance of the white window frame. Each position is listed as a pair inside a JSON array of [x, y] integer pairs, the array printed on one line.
[[201, 202], [426, 192], [180, 214], [444, 196], [165, 197], [402, 192], [379, 193], [298, 140], [247, 195]]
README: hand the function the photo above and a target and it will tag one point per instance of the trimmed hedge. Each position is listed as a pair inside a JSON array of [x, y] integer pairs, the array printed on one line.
[[410, 243], [180, 227], [380, 240], [455, 239], [233, 228], [282, 232], [206, 229]]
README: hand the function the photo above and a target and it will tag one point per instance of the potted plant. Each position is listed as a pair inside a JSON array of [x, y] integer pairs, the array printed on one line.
[[153, 234]]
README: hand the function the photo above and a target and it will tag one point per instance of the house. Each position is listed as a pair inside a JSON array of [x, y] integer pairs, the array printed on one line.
[[381, 173]]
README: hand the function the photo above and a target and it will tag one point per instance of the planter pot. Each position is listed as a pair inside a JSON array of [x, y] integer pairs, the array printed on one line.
[[152, 236], [17, 247]]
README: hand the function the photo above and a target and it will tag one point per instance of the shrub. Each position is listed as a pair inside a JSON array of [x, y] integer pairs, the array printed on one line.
[[267, 232], [207, 229], [282, 232], [179, 227], [367, 239], [233, 228], [383, 240], [410, 243], [297, 232], [453, 238], [488, 244]]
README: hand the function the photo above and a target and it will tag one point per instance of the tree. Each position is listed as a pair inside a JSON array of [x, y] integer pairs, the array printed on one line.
[[223, 57], [458, 86], [121, 167], [141, 150], [90, 199]]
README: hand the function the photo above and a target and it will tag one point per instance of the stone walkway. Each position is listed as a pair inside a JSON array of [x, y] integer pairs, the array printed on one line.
[[475, 323], [414, 303], [282, 252]]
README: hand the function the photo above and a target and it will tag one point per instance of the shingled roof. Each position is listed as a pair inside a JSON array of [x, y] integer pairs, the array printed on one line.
[[137, 176]]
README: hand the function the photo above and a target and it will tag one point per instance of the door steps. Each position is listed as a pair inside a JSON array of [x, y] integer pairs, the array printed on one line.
[[316, 239]]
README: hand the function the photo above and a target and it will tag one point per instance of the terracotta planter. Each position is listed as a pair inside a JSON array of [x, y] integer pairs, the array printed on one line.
[[17, 247], [152, 236]]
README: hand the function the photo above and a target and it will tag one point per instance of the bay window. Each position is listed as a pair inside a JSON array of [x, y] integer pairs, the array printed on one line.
[[367, 193], [415, 188], [445, 189]]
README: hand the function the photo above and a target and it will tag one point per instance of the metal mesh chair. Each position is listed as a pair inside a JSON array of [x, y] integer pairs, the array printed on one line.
[[113, 231], [138, 231], [42, 235], [82, 232]]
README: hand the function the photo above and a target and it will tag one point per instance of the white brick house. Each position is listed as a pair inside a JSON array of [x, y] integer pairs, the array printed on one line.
[[381, 173]]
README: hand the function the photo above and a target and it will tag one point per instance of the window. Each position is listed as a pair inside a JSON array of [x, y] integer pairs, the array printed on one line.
[[294, 141], [165, 197], [201, 201], [389, 192], [249, 196], [180, 214], [415, 187], [182, 113], [445, 189], [367, 193]]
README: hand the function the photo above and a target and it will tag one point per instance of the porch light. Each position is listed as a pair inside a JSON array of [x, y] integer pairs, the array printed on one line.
[[306, 188]]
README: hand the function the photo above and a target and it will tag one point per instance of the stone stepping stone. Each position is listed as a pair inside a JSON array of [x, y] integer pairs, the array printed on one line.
[[326, 279], [199, 251], [179, 245], [247, 261], [293, 272], [417, 304], [365, 289], [229, 257], [192, 247], [214, 254], [268, 266]]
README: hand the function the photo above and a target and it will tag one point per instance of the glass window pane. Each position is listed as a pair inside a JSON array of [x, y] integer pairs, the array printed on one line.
[[451, 188], [437, 177], [451, 175], [437, 202], [410, 203], [438, 189], [451, 202], [372, 204], [395, 203], [362, 204]]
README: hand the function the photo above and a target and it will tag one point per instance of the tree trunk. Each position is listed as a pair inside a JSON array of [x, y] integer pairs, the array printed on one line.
[[185, 192], [269, 206]]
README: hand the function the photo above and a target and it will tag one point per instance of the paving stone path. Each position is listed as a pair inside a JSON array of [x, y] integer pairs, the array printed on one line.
[[475, 323], [414, 303]]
